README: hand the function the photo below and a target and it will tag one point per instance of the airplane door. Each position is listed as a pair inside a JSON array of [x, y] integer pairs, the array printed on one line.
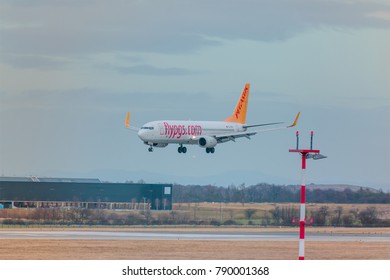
[[162, 129]]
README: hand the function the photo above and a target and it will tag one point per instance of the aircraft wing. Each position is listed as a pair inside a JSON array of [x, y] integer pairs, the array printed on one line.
[[233, 136], [247, 134]]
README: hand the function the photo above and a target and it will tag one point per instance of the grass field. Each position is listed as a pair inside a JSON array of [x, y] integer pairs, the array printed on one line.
[[237, 210], [263, 211], [188, 250], [12, 249], [16, 249], [202, 214]]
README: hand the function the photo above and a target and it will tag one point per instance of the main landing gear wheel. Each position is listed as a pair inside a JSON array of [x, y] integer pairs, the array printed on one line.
[[150, 149], [182, 149], [210, 150]]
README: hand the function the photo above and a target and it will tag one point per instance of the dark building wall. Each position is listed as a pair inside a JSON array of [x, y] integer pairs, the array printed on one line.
[[87, 192]]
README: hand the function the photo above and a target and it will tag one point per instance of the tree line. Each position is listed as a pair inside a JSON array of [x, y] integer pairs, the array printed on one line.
[[274, 193], [324, 216], [280, 215]]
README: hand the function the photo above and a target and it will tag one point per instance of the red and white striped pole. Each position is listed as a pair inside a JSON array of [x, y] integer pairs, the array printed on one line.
[[302, 219]]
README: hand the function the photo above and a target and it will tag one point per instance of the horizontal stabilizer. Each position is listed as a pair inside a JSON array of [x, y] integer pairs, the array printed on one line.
[[263, 124]]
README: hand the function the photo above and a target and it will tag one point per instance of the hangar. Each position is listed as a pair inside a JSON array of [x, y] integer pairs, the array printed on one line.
[[37, 192]]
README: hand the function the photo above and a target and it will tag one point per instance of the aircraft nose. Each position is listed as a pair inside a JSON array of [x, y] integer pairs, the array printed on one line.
[[141, 134]]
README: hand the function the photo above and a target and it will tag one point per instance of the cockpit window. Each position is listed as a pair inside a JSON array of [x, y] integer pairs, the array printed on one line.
[[147, 127]]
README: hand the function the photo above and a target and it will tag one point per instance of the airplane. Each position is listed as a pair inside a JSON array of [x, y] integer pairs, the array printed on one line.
[[206, 134]]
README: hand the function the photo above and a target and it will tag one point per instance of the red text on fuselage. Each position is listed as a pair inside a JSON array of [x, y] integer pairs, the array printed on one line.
[[177, 130]]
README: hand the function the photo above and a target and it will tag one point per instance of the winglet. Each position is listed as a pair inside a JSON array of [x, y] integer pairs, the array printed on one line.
[[127, 123], [296, 120]]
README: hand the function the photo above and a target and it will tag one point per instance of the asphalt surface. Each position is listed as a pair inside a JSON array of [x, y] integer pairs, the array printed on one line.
[[222, 236]]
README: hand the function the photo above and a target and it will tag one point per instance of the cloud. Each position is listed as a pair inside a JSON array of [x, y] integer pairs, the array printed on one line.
[[34, 62], [151, 70], [381, 15], [80, 27]]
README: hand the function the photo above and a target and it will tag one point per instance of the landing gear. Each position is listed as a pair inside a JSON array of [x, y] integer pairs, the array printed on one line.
[[210, 150], [182, 149], [150, 149]]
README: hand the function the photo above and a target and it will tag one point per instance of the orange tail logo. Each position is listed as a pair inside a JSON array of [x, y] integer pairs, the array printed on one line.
[[239, 114]]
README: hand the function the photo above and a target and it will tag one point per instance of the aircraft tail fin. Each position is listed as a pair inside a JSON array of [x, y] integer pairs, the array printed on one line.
[[239, 114]]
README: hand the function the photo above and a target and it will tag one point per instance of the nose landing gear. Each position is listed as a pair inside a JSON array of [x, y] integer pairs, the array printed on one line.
[[182, 149], [210, 150]]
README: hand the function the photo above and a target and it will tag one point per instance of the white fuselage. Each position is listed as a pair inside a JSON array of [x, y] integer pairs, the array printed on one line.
[[206, 134], [185, 132]]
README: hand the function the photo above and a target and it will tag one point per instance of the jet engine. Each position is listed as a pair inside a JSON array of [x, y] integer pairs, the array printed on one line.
[[207, 142]]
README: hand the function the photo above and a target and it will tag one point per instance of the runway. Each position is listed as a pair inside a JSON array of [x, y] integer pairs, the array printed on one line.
[[191, 235]]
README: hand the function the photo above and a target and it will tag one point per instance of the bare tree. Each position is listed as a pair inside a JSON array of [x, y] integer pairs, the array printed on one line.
[[249, 213], [369, 216]]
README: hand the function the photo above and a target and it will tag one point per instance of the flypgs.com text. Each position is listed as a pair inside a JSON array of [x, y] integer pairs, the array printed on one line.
[[177, 131]]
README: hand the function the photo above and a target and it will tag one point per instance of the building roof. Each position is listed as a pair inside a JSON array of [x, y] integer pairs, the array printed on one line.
[[48, 179]]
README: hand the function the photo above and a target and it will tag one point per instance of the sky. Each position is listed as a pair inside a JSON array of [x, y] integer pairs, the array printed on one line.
[[71, 70]]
